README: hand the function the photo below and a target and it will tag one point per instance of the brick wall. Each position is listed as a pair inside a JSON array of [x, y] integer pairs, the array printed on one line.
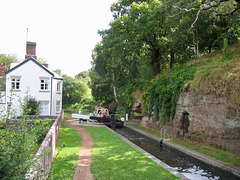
[[31, 50]]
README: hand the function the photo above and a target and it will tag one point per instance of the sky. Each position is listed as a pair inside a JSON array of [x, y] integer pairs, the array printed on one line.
[[65, 31]]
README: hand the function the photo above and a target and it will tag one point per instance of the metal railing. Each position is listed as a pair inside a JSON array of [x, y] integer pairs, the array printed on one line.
[[165, 131]]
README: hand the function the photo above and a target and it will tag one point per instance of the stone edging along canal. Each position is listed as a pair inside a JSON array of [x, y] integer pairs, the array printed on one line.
[[165, 166], [206, 159]]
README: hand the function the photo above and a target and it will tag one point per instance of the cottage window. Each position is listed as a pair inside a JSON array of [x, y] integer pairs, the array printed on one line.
[[44, 84], [58, 86], [58, 106], [15, 83], [44, 107]]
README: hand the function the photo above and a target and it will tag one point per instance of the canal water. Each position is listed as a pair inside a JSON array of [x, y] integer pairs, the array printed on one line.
[[186, 165]]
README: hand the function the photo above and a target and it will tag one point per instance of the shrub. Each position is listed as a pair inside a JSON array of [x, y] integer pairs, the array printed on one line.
[[41, 129], [30, 106], [2, 124], [17, 149]]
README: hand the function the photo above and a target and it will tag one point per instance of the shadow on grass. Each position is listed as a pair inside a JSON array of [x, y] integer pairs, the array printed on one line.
[[112, 158], [68, 148]]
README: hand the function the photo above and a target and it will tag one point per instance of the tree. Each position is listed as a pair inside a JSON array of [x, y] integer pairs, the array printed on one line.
[[73, 90], [41, 60], [208, 30], [58, 71], [83, 74], [217, 7], [8, 59], [31, 106], [101, 90], [100, 75], [135, 48], [143, 28], [147, 38], [223, 7]]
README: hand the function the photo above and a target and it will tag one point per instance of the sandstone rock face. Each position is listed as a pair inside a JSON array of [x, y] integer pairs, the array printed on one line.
[[144, 121], [136, 109], [137, 106], [209, 115]]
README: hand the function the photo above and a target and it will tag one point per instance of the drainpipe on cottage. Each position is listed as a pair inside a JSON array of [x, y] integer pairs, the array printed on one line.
[[51, 97]]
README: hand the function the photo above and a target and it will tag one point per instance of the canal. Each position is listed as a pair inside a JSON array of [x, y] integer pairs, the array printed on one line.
[[188, 166]]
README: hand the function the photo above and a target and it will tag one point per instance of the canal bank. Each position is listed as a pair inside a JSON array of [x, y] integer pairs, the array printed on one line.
[[153, 158], [201, 158], [212, 169]]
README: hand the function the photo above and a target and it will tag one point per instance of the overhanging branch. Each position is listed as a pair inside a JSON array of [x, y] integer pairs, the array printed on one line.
[[230, 13], [211, 4]]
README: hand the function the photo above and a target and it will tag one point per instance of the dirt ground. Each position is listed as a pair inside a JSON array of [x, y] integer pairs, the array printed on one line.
[[83, 169]]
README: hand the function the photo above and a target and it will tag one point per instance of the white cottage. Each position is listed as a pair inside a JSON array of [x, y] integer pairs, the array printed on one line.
[[3, 70], [36, 80]]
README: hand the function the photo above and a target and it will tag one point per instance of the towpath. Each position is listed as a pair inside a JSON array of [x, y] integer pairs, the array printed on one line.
[[83, 169]]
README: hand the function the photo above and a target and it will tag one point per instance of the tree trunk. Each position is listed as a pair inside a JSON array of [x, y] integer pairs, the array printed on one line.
[[195, 44], [209, 49], [156, 59], [114, 90], [225, 47], [172, 57]]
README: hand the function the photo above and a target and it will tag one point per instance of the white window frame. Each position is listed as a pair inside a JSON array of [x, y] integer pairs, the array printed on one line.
[[44, 84], [15, 82], [44, 107], [58, 106], [59, 86]]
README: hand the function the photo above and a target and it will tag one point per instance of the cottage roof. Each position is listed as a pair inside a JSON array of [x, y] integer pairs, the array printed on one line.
[[55, 75]]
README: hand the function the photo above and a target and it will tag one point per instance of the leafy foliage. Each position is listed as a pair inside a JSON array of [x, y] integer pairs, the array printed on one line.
[[83, 74], [164, 91], [17, 145], [41, 128], [73, 90], [213, 73], [76, 93], [147, 38], [101, 89], [31, 106], [8, 59], [17, 149]]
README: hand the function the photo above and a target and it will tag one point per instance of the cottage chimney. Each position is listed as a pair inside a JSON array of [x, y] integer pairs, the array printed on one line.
[[3, 69], [46, 65], [31, 50]]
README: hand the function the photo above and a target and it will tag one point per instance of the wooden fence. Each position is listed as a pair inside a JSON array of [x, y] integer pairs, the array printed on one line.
[[44, 156]]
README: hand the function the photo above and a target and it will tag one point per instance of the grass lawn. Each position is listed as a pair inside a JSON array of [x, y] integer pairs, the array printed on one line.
[[68, 114], [224, 156], [68, 148], [112, 158]]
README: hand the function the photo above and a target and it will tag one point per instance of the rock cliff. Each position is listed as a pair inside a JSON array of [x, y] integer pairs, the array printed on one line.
[[209, 116]]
